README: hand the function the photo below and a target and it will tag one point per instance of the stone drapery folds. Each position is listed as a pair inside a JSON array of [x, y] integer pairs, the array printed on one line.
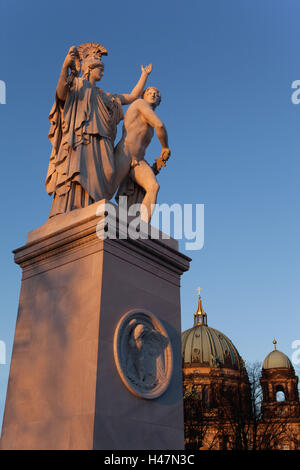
[[82, 133]]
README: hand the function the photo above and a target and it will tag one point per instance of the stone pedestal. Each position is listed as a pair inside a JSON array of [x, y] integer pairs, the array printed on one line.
[[65, 391]]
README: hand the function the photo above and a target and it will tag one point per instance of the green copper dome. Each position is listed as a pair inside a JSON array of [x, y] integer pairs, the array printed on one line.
[[277, 359], [203, 345]]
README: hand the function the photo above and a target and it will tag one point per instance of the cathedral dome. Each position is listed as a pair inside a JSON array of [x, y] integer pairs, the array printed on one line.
[[277, 359], [203, 345]]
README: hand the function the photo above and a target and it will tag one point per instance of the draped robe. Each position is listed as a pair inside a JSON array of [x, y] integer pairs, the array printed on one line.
[[82, 133]]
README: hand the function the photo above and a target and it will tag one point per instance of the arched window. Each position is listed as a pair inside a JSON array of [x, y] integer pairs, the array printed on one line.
[[280, 395], [224, 442], [205, 397]]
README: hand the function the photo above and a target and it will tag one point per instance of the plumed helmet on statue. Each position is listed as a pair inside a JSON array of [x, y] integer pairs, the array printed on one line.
[[90, 54]]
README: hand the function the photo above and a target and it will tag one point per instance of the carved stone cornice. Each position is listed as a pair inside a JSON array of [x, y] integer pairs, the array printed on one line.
[[83, 230]]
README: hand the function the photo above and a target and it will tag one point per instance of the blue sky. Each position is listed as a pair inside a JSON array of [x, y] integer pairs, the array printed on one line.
[[225, 70]]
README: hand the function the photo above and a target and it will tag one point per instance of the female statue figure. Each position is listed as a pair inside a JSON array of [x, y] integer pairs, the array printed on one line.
[[83, 128]]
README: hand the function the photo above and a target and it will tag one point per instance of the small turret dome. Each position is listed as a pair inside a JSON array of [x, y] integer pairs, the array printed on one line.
[[277, 359]]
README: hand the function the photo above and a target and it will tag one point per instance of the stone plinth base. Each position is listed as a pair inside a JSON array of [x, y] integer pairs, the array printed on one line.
[[65, 391]]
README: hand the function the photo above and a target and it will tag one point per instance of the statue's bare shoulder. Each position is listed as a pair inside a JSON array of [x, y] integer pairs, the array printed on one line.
[[141, 108], [134, 112]]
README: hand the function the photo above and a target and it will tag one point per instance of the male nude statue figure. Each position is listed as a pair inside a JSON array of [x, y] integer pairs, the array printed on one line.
[[139, 122]]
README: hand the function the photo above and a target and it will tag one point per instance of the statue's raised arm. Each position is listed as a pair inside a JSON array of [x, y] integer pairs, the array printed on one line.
[[139, 87], [72, 62]]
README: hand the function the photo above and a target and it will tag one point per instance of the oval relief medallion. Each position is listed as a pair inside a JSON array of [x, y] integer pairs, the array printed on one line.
[[143, 354]]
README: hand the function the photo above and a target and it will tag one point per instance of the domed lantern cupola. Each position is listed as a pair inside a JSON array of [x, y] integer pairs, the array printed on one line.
[[200, 317], [206, 346]]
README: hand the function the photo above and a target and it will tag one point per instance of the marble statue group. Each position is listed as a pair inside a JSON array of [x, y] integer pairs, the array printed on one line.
[[85, 165], [99, 317]]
